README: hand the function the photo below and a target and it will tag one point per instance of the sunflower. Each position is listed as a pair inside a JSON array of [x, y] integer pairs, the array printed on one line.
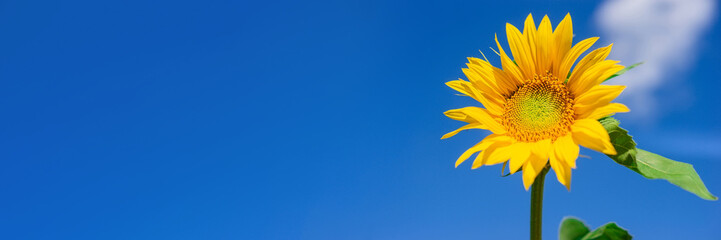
[[539, 106]]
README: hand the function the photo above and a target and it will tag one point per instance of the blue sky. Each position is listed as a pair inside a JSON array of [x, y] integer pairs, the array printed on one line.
[[314, 120]]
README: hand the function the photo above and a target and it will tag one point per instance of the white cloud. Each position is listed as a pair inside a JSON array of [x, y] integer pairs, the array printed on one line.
[[662, 33], [698, 145]]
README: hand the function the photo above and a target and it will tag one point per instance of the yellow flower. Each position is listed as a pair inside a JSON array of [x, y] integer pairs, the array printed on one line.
[[540, 108]]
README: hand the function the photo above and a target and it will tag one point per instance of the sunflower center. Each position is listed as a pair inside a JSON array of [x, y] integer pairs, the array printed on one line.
[[541, 108]]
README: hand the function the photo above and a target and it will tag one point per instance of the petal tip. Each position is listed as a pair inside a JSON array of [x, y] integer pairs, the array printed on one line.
[[610, 151]]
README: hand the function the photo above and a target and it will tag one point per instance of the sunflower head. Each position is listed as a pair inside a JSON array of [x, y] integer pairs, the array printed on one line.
[[541, 104]]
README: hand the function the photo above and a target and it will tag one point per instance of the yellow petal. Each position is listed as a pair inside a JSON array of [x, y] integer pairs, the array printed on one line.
[[591, 134], [483, 144], [572, 56], [466, 127], [541, 148], [533, 166], [463, 87], [589, 60], [496, 153], [566, 150], [601, 77], [563, 38], [508, 66], [529, 32], [460, 115], [537, 161], [544, 47], [506, 82], [602, 94], [562, 170], [599, 96], [490, 82], [521, 51], [607, 110], [481, 74], [468, 89], [481, 77], [521, 153], [593, 76], [479, 115]]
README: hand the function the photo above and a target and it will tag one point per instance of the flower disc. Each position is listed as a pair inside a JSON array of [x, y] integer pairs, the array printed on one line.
[[541, 108]]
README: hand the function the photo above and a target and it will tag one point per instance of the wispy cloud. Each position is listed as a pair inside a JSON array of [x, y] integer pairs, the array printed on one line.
[[698, 145], [662, 33]]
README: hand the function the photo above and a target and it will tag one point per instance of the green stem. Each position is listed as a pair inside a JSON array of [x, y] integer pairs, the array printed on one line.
[[537, 204]]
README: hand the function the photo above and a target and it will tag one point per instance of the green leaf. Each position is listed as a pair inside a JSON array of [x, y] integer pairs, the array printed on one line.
[[650, 165], [654, 166], [572, 229], [624, 144], [624, 70], [609, 231]]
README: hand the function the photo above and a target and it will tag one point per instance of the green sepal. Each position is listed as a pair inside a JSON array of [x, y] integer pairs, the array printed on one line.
[[650, 165], [624, 70], [503, 170], [572, 229]]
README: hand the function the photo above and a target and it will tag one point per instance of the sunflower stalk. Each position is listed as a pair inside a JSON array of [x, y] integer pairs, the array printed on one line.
[[537, 204]]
